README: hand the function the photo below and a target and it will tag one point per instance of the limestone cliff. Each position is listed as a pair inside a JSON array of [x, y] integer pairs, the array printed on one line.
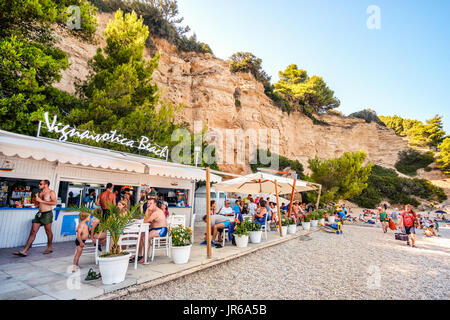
[[207, 88]]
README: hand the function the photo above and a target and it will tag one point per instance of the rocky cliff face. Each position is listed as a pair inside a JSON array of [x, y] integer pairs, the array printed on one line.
[[208, 90]]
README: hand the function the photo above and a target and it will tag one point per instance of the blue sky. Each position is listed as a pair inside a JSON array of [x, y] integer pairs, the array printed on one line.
[[403, 68]]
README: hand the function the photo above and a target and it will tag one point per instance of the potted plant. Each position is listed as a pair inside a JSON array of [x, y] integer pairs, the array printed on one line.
[[284, 225], [255, 232], [113, 265], [331, 218], [314, 219], [306, 222], [241, 233], [322, 217], [292, 226], [180, 243]]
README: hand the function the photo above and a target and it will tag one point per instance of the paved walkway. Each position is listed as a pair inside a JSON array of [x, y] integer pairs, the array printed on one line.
[[49, 277]]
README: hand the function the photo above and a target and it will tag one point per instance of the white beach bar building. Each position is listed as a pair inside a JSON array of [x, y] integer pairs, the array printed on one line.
[[74, 171]]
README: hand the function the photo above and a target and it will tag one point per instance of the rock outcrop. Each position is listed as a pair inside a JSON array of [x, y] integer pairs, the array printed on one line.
[[209, 90]]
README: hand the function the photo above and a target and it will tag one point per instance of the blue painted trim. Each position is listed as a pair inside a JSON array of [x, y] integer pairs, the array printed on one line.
[[18, 208]]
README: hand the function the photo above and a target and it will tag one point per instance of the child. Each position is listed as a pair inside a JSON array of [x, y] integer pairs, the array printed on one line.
[[82, 235]]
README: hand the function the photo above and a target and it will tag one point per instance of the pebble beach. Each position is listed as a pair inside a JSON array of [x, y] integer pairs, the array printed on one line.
[[362, 263]]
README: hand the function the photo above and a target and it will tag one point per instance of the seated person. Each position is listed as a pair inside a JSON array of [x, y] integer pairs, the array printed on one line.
[[260, 215], [226, 210], [218, 223], [273, 214], [158, 225], [237, 208]]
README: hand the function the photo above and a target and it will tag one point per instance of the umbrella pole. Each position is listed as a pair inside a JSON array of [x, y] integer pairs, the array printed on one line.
[[278, 207], [318, 197], [292, 198], [208, 215]]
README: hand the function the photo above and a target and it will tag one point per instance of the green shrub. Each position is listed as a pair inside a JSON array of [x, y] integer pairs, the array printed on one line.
[[411, 160], [161, 19], [368, 115], [385, 183], [283, 163]]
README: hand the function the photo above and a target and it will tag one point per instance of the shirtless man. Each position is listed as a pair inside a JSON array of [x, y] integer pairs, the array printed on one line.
[[158, 225], [106, 197], [46, 199]]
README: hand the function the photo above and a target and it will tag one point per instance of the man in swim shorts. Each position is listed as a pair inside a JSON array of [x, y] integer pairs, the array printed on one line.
[[218, 222], [158, 225], [105, 198], [46, 199]]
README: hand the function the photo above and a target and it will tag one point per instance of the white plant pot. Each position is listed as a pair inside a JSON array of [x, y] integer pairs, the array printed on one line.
[[306, 225], [331, 219], [292, 228], [255, 236], [322, 221], [180, 255], [314, 223], [114, 269], [241, 241], [284, 230]]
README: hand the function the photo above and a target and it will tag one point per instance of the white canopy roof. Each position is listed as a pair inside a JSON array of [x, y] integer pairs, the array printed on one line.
[[260, 182], [12, 144]]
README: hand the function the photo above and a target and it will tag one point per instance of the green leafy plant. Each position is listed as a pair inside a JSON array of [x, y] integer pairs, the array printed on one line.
[[321, 213], [385, 183], [314, 215], [284, 221], [114, 223], [242, 228], [180, 236], [290, 220], [411, 160], [254, 226], [307, 218]]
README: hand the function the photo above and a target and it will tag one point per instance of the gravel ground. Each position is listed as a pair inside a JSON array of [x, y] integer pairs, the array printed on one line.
[[362, 263]]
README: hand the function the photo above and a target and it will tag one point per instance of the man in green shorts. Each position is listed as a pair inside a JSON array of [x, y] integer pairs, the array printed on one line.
[[382, 216], [44, 217]]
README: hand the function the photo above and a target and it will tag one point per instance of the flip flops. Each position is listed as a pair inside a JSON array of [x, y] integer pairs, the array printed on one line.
[[20, 254], [92, 275]]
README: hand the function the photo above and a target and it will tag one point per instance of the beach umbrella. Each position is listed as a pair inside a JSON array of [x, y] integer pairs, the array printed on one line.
[[440, 211], [262, 183]]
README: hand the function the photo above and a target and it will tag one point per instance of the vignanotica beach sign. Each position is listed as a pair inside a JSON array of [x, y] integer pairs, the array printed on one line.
[[67, 131]]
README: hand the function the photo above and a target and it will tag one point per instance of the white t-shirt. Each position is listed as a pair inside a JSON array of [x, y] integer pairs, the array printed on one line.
[[226, 211], [252, 208]]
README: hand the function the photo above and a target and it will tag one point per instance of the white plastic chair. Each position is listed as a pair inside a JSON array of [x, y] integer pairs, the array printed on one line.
[[89, 246], [177, 220], [130, 239], [265, 227], [161, 243], [225, 236]]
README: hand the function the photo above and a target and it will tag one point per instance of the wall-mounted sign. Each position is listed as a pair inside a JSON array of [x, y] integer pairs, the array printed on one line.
[[66, 131], [6, 165]]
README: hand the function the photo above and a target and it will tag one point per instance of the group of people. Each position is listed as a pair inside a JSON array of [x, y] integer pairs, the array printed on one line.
[[260, 210], [154, 212], [407, 220]]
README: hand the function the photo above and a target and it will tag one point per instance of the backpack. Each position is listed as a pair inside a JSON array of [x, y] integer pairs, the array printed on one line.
[[408, 219]]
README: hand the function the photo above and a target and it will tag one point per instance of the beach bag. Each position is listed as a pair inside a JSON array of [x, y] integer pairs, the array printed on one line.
[[392, 225], [401, 236]]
